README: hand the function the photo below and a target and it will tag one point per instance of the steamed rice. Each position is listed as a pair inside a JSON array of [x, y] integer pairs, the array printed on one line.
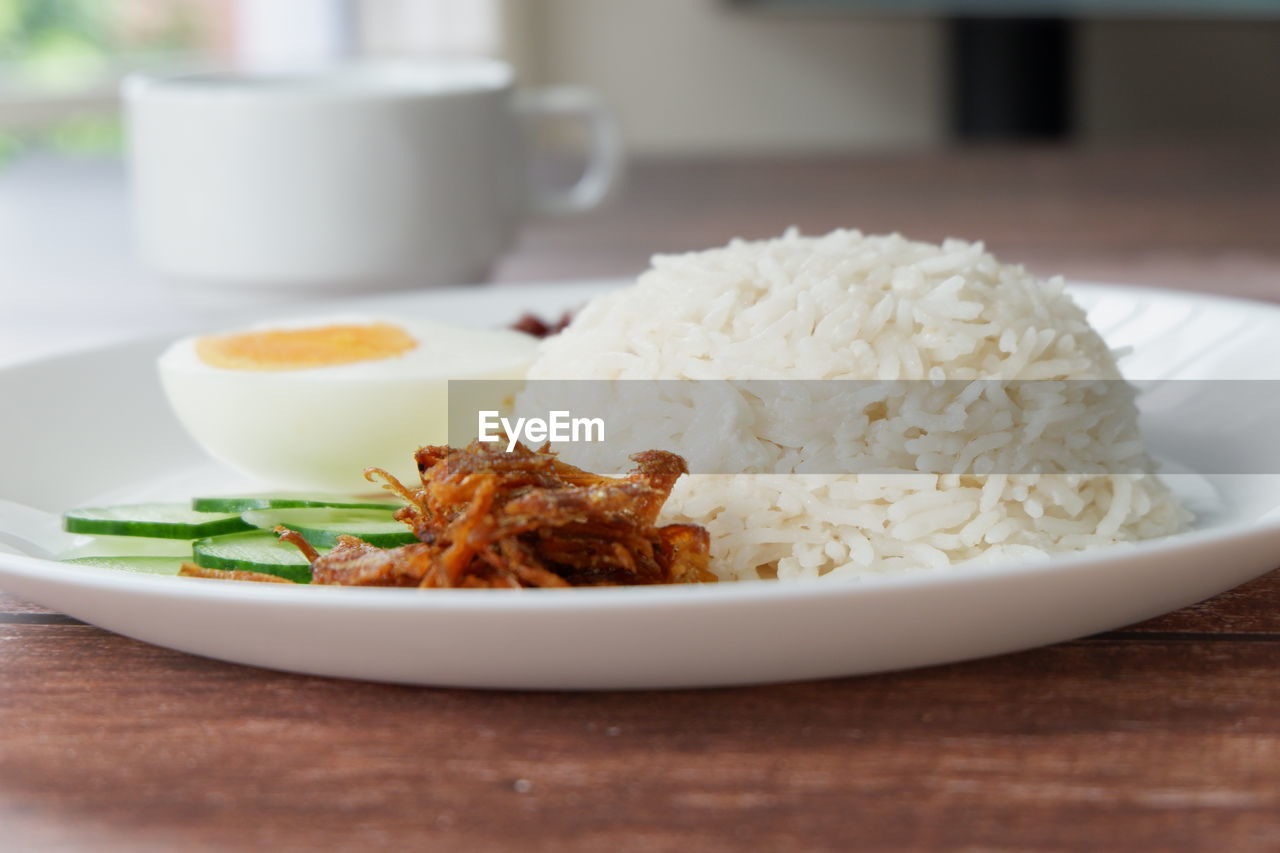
[[849, 306]]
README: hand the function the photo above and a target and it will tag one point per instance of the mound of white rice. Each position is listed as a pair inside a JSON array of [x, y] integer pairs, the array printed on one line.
[[849, 306]]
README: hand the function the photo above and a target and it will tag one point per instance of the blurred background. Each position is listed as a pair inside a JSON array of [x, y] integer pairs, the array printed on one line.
[[697, 77], [1108, 139]]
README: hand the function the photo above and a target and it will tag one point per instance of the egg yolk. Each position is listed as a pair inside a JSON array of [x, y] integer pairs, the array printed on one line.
[[299, 349]]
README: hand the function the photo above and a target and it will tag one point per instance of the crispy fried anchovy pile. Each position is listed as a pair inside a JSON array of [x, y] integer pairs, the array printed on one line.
[[485, 517]]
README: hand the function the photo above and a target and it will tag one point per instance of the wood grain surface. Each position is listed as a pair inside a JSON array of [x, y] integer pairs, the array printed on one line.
[[1162, 736]]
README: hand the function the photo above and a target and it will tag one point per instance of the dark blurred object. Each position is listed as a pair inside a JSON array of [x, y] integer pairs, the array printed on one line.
[[532, 324], [1092, 8], [1011, 78], [1029, 69]]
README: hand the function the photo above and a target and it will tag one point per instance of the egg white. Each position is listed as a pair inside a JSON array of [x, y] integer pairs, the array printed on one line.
[[318, 428]]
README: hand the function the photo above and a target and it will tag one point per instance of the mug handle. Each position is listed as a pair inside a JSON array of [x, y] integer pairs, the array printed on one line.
[[604, 159]]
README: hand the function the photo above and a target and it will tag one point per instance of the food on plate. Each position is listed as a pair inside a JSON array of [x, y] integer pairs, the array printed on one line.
[[484, 517], [154, 520], [159, 538], [322, 526], [288, 500], [190, 570], [299, 349], [310, 404], [481, 517], [258, 551], [849, 306], [138, 564], [532, 324]]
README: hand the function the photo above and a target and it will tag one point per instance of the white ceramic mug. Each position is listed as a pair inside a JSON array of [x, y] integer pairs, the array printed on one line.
[[367, 176]]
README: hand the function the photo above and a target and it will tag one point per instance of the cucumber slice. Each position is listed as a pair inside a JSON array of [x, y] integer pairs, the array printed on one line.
[[285, 500], [255, 551], [140, 564], [160, 521], [321, 526], [127, 546]]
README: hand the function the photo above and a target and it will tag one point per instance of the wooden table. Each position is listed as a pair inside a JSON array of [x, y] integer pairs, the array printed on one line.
[[1162, 736]]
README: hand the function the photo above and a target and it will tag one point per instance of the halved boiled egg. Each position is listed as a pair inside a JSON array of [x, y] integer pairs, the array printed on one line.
[[311, 404]]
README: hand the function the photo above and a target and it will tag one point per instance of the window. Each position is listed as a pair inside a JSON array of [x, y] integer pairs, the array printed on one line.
[[61, 60]]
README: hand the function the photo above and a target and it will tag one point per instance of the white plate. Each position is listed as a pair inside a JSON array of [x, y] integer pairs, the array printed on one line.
[[92, 427]]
